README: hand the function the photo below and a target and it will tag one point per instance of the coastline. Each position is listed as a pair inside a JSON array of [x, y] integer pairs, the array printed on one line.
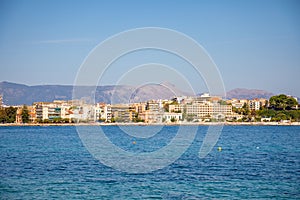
[[159, 124]]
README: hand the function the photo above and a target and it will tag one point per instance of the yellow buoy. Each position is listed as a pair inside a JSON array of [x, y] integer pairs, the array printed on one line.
[[134, 142], [219, 148]]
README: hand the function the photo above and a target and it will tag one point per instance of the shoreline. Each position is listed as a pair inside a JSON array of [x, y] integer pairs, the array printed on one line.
[[160, 124]]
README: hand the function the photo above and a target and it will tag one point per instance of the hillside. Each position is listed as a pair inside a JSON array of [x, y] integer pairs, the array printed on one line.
[[17, 94], [242, 93]]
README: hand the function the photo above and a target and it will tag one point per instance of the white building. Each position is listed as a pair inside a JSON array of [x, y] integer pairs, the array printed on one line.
[[254, 104], [167, 116]]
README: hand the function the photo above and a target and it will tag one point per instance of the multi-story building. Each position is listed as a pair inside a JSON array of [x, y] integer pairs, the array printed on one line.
[[108, 113], [47, 110], [122, 112], [236, 103], [176, 108], [154, 106], [98, 112], [83, 113], [140, 107], [199, 110], [154, 111], [254, 104], [151, 116], [221, 110], [62, 110], [102, 112], [202, 110]]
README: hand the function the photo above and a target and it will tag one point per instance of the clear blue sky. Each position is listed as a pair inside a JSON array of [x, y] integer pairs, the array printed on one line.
[[255, 44]]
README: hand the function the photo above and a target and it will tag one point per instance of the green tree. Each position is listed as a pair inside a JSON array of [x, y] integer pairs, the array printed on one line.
[[66, 120], [173, 119], [245, 109], [39, 120], [266, 105], [222, 102], [190, 117], [3, 116], [166, 107], [113, 120], [11, 113], [25, 114], [281, 116], [282, 102], [295, 115], [57, 120], [253, 113], [46, 121], [266, 113]]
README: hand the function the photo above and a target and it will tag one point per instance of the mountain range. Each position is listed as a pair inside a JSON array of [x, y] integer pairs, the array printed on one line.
[[18, 94], [242, 93]]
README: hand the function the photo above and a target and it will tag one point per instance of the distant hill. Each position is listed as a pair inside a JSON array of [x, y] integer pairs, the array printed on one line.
[[242, 93], [18, 94]]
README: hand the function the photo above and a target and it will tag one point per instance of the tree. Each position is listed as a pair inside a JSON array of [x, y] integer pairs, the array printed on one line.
[[282, 102], [166, 107], [65, 120], [253, 113], [25, 114], [266, 104], [3, 116], [46, 121], [173, 119], [57, 120], [281, 116], [267, 113], [113, 120], [222, 102], [11, 113], [295, 115], [245, 109], [236, 110]]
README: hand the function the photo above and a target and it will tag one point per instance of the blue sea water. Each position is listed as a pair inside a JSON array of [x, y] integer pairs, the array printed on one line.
[[256, 162]]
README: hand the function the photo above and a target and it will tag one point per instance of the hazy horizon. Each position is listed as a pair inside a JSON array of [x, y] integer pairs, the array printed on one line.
[[163, 83]]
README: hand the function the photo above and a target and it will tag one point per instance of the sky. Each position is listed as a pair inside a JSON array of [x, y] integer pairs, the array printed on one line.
[[254, 44]]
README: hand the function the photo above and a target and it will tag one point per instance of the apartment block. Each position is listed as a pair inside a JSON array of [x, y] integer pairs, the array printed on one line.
[[152, 116], [202, 110], [46, 110], [122, 112]]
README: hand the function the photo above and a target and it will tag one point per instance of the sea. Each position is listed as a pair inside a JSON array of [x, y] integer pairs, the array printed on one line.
[[55, 162]]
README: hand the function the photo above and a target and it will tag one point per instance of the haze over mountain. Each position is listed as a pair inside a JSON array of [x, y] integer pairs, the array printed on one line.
[[242, 93], [17, 94]]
